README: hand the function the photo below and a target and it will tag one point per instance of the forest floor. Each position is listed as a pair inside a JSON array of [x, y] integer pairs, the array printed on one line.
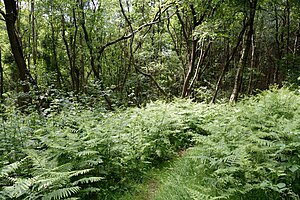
[[165, 151], [249, 155]]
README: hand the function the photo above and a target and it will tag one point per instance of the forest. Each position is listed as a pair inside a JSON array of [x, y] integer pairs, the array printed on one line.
[[149, 99]]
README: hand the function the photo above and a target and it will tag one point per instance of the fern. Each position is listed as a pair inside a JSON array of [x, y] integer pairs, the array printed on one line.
[[6, 170], [20, 187], [252, 152], [243, 150], [87, 180], [79, 172], [61, 193]]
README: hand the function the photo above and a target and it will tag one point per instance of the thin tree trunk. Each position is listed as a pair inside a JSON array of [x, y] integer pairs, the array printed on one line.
[[82, 64], [34, 38], [88, 41], [69, 52], [74, 70], [245, 53], [58, 73], [226, 65], [200, 62], [252, 66], [191, 66], [278, 46], [288, 12], [1, 77], [191, 41]]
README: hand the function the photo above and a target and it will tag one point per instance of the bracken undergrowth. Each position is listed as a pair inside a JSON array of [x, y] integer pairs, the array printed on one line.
[[245, 151]]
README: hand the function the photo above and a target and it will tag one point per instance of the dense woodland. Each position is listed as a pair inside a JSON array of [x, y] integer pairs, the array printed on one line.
[[149, 100], [130, 52]]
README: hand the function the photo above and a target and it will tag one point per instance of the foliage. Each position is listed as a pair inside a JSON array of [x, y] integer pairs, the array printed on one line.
[[244, 151], [138, 51], [252, 153], [88, 153]]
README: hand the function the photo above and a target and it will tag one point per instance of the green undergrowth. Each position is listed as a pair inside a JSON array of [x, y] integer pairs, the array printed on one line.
[[80, 153], [245, 151], [252, 153]]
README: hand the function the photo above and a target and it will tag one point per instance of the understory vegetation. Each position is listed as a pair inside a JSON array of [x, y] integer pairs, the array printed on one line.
[[249, 150], [251, 153]]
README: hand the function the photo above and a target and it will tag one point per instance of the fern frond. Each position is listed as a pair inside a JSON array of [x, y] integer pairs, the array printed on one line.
[[61, 193], [79, 172], [45, 183], [6, 170], [63, 168], [86, 153], [19, 188], [88, 180]]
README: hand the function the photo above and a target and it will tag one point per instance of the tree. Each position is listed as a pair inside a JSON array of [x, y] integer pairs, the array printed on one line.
[[245, 51], [10, 15], [1, 76]]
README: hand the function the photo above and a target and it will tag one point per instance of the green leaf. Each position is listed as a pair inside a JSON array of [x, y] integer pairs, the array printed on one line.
[[281, 185], [294, 168]]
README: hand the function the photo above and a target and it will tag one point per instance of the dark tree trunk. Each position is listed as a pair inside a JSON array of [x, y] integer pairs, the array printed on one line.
[[252, 66], [226, 65], [10, 19], [55, 62], [74, 70], [10, 16], [88, 41], [1, 77], [245, 53], [71, 52], [34, 38]]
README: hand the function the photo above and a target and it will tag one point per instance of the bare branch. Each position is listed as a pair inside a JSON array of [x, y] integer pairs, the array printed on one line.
[[124, 37], [153, 80], [125, 16]]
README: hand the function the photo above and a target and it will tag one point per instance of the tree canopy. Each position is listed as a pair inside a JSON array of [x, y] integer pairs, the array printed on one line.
[[127, 52]]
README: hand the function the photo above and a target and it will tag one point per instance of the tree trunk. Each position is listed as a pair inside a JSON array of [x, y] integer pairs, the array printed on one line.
[[82, 64], [10, 19], [87, 40], [1, 78], [74, 70], [34, 38], [188, 26], [59, 78], [201, 59], [191, 66], [71, 52], [252, 66], [245, 53], [226, 65], [279, 46], [287, 16]]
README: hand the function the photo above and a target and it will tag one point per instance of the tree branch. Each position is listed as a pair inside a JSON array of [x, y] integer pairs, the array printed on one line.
[[125, 37], [125, 16], [182, 25], [152, 78]]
